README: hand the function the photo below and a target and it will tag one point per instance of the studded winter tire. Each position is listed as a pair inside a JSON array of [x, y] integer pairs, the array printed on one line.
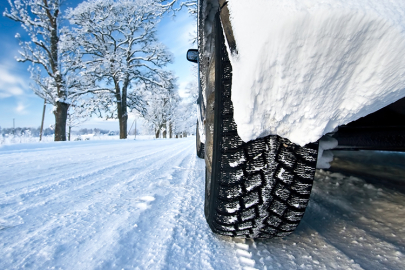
[[255, 189]]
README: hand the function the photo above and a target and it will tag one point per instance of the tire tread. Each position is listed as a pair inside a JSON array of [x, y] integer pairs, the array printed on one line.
[[264, 184]]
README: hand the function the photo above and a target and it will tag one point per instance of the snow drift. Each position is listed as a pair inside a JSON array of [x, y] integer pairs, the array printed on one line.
[[305, 67]]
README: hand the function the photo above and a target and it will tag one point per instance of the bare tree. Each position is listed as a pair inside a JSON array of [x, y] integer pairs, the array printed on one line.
[[117, 50]]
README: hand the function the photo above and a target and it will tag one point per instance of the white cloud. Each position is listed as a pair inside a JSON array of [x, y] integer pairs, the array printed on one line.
[[20, 108], [15, 90], [11, 82]]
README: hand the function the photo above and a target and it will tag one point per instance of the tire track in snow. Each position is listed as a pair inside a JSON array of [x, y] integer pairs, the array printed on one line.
[[173, 224], [347, 235], [69, 183], [246, 259], [79, 171], [143, 247], [191, 244], [361, 223], [97, 180], [380, 213], [156, 166], [305, 249], [49, 158]]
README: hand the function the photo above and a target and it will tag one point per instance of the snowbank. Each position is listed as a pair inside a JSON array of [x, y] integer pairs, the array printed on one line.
[[305, 67]]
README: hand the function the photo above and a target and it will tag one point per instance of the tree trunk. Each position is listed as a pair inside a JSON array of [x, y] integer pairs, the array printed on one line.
[[123, 121], [60, 121], [184, 134], [157, 133], [121, 108], [70, 129], [170, 130], [164, 131], [61, 107]]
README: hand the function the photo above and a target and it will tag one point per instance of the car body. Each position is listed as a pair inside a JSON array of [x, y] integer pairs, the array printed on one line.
[[282, 117]]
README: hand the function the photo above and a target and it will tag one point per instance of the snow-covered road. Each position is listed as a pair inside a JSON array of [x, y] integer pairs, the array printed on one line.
[[139, 205]]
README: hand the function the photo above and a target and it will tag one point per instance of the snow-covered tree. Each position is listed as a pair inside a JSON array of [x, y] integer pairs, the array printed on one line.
[[192, 86], [184, 120], [191, 6], [54, 81], [78, 113], [118, 52], [169, 113], [40, 19], [161, 112]]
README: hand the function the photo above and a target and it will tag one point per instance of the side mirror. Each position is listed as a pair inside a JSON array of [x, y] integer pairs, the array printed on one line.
[[192, 55]]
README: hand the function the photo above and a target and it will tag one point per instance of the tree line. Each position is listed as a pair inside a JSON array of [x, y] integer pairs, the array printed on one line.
[[102, 58], [25, 131], [34, 132]]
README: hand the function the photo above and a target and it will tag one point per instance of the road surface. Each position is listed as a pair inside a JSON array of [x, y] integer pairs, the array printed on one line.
[[130, 204]]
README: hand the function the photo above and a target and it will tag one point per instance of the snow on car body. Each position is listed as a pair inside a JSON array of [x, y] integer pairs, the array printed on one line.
[[303, 68]]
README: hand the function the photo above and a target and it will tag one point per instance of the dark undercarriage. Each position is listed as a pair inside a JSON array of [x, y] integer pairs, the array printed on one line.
[[382, 130]]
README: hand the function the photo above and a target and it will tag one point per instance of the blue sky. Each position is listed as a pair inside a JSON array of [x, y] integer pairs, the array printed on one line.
[[17, 101]]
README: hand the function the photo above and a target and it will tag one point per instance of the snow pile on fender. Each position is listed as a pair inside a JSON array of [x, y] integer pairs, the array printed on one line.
[[305, 67]]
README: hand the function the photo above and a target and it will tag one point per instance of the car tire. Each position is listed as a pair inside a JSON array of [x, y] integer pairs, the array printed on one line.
[[255, 189]]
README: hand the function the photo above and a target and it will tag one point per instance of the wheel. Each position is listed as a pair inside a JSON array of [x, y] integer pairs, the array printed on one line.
[[199, 144], [258, 189]]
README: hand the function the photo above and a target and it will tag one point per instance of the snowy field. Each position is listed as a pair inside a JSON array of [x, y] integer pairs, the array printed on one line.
[[130, 204]]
